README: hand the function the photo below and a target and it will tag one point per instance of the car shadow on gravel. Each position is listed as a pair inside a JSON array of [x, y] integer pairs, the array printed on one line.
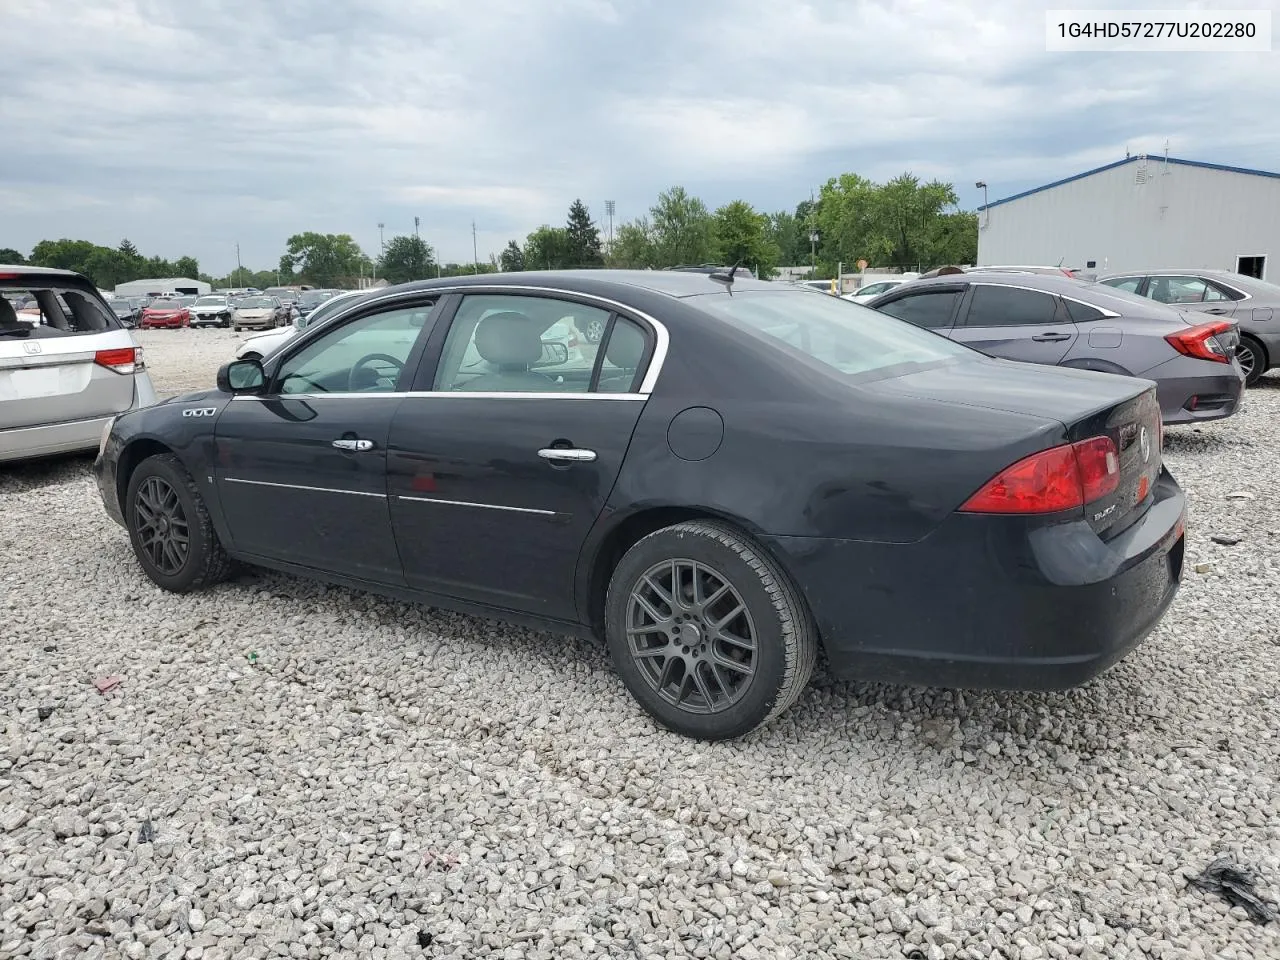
[[27, 475]]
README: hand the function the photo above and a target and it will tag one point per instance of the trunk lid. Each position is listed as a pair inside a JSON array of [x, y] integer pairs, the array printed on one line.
[[1087, 404]]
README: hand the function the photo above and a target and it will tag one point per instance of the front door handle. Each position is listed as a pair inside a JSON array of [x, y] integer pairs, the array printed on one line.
[[360, 445], [1051, 337], [567, 455]]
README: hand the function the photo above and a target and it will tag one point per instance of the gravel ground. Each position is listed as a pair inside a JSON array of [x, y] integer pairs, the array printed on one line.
[[384, 780]]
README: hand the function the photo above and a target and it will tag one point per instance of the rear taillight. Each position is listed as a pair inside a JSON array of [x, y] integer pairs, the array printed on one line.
[[1060, 478], [1201, 341], [121, 360]]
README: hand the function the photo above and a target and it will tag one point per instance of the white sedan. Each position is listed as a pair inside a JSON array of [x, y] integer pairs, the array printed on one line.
[[261, 344], [871, 290]]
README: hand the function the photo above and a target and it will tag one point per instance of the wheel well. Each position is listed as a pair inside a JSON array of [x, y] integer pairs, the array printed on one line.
[[133, 455], [622, 538], [1260, 347]]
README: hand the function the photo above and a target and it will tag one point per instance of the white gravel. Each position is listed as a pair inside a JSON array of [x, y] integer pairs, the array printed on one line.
[[384, 773]]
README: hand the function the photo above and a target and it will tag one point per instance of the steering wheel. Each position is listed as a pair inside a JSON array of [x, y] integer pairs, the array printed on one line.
[[359, 365]]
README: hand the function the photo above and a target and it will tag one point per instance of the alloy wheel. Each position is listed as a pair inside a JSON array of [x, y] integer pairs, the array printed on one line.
[[691, 636], [163, 533], [595, 330], [1248, 359]]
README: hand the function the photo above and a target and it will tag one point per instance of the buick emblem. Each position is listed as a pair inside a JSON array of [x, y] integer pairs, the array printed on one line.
[[31, 346], [1144, 444]]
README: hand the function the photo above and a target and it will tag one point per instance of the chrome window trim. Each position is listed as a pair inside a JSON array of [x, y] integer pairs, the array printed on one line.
[[299, 486], [662, 338], [1107, 314], [440, 394], [482, 506]]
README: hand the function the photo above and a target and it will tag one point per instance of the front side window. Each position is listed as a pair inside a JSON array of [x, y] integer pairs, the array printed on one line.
[[1128, 284], [367, 355], [518, 344], [931, 310], [844, 336]]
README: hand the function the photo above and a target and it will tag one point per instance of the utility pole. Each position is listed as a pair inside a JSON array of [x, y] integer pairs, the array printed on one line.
[[416, 223], [813, 235], [475, 255], [608, 209], [382, 249], [239, 269]]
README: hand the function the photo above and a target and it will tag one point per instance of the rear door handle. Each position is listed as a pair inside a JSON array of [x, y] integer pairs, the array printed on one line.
[[359, 445], [1051, 337], [567, 455], [1216, 310]]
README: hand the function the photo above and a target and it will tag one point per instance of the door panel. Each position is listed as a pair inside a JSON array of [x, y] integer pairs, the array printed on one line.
[[480, 515], [288, 494], [1016, 324]]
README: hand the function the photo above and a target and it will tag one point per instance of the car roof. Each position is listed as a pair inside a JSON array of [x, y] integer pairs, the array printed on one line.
[[1175, 272], [1049, 282], [38, 271], [671, 283]]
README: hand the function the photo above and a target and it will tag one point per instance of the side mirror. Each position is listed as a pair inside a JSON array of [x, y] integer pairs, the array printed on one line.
[[242, 376]]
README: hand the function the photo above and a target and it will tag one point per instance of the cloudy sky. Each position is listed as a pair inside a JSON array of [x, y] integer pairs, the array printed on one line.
[[191, 125]]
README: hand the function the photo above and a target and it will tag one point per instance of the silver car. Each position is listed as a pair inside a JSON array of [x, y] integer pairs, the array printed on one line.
[[1064, 322], [67, 364], [1253, 304]]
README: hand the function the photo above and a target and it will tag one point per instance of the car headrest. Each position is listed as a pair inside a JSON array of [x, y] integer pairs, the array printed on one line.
[[624, 351], [509, 339], [8, 315]]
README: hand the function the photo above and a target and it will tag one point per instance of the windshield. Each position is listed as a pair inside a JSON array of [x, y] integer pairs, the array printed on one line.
[[844, 336], [161, 304], [211, 302], [314, 299], [256, 303], [281, 293]]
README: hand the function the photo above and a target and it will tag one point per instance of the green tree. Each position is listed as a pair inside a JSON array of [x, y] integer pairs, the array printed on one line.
[[128, 250], [11, 256], [186, 267], [548, 248], [63, 254], [512, 259], [789, 233], [633, 246], [740, 235], [584, 238], [681, 229], [408, 258], [324, 259], [954, 238]]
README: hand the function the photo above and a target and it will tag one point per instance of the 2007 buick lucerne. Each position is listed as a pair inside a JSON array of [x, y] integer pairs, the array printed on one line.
[[738, 472]]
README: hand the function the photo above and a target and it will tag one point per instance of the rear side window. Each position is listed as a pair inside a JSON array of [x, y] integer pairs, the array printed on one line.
[[995, 306], [1082, 312], [929, 310], [52, 312], [620, 368], [848, 338]]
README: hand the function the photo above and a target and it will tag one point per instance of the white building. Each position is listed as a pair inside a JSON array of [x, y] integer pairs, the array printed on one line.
[[150, 288], [1140, 213]]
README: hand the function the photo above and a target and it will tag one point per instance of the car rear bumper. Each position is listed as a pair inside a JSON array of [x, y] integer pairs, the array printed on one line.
[[68, 436], [1192, 390], [255, 323], [992, 602]]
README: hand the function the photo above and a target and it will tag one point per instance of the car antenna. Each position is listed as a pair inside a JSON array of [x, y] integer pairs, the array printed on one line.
[[727, 278]]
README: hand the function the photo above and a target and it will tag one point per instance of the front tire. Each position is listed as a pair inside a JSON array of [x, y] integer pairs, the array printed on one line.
[[1253, 360], [707, 632], [170, 528]]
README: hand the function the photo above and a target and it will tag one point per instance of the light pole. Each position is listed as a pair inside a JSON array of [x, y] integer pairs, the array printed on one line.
[[475, 254], [382, 249], [986, 214], [239, 269], [608, 209], [416, 223]]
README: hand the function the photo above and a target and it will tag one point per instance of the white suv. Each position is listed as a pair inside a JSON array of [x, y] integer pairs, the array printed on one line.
[[67, 364]]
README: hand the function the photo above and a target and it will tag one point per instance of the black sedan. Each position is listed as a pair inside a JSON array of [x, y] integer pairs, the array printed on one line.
[[739, 473]]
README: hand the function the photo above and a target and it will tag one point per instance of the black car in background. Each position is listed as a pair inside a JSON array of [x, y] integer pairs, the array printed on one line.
[[741, 473]]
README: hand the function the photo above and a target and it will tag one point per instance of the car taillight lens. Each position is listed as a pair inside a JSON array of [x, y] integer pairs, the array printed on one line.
[[1060, 478], [121, 360], [1201, 341]]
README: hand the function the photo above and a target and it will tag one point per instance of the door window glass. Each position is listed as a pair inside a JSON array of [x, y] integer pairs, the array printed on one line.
[[367, 355], [929, 310], [1179, 290], [1128, 284], [623, 355], [499, 343], [995, 306]]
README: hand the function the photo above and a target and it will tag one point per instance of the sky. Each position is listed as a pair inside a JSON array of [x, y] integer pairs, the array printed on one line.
[[191, 126]]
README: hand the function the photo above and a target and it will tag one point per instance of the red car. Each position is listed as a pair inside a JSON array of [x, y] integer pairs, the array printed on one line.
[[165, 313]]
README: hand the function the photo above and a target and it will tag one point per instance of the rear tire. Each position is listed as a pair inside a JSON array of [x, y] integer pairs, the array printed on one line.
[[707, 632], [1253, 358], [170, 528]]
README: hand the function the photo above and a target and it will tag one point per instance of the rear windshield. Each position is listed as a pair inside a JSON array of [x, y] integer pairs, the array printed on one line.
[[844, 336], [42, 312], [256, 303]]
